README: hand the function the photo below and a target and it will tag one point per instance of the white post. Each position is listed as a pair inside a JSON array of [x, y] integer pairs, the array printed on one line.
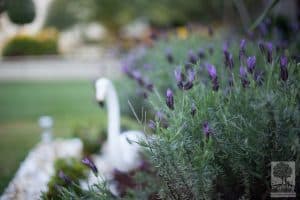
[[46, 123]]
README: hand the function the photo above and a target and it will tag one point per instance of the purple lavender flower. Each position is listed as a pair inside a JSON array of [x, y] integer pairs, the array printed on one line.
[[159, 115], [206, 129], [64, 177], [126, 69], [243, 72], [179, 77], [215, 84], [242, 53], [138, 77], [225, 47], [243, 45], [251, 62], [188, 85], [201, 53], [170, 99], [169, 55], [152, 125], [211, 71], [193, 109], [148, 85], [262, 47], [86, 161], [269, 47], [244, 78], [192, 57], [258, 77], [228, 59], [213, 76], [283, 68]]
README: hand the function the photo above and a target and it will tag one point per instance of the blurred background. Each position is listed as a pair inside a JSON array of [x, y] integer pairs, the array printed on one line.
[[52, 50]]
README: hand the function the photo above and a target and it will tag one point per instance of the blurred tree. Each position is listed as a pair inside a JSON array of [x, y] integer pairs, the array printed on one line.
[[162, 13], [114, 13], [20, 11], [2, 6], [62, 14]]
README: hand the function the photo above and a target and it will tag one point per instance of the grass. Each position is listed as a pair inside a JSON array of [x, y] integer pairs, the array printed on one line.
[[70, 103]]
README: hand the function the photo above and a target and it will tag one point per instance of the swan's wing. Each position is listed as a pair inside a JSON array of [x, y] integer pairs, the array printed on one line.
[[130, 148], [133, 137]]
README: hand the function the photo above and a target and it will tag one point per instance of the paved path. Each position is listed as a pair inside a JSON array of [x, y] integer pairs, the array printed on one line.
[[57, 68]]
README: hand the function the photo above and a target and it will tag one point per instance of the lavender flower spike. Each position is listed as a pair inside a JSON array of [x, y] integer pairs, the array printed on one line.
[[283, 68], [179, 77], [152, 125], [138, 77], [243, 45], [262, 47], [126, 69], [170, 99], [211, 71], [90, 164], [201, 53], [230, 61], [192, 57], [64, 177], [269, 47], [242, 53], [243, 75], [169, 55], [206, 129], [251, 62], [191, 77]]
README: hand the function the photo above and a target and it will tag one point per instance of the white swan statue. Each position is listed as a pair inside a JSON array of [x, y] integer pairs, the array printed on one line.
[[122, 150]]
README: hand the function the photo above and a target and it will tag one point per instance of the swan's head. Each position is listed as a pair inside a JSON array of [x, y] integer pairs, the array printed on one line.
[[102, 87]]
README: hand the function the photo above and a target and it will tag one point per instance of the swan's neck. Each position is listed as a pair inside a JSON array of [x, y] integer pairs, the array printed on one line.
[[113, 114]]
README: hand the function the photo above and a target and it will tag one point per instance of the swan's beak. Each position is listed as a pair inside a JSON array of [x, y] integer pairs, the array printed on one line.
[[101, 103]]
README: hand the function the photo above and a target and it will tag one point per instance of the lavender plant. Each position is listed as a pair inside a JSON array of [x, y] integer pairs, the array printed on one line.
[[247, 116], [219, 118]]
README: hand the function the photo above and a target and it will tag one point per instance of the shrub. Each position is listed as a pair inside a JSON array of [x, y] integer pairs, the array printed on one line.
[[45, 43], [68, 172], [225, 124]]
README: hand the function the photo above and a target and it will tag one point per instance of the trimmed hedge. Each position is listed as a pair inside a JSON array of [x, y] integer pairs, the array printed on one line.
[[23, 45]]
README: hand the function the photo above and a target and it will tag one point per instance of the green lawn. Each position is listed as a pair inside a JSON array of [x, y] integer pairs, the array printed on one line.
[[70, 103]]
